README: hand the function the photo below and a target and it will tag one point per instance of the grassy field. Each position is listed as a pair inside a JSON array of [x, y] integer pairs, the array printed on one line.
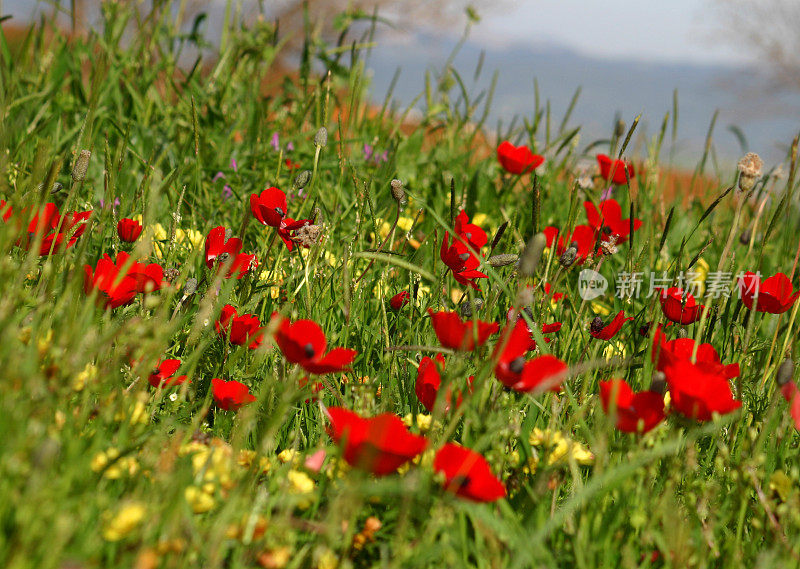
[[328, 255]]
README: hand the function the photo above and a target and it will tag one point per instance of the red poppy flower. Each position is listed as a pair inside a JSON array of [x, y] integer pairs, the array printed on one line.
[[792, 396], [429, 381], [608, 221], [697, 393], [509, 352], [542, 373], [614, 170], [57, 232], [513, 316], [399, 300], [129, 229], [583, 237], [163, 375], [557, 296], [217, 245], [117, 288], [379, 445], [461, 261], [665, 353], [607, 331], [303, 342], [517, 159], [291, 165], [230, 395], [316, 387], [269, 207], [240, 330], [467, 474], [635, 412], [456, 334], [675, 309], [469, 232], [6, 211], [149, 278], [774, 294]]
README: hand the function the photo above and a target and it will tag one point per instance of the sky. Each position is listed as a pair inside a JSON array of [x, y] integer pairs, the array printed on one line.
[[649, 30]]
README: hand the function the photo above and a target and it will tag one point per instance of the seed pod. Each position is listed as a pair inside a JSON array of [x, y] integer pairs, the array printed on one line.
[[81, 166], [190, 287], [682, 333], [744, 238], [532, 255], [785, 372], [321, 138], [502, 260], [749, 167], [568, 257], [597, 325], [659, 383], [398, 193], [499, 235], [302, 180], [466, 309]]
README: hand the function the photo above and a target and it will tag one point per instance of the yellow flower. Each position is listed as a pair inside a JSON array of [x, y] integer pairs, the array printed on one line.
[[124, 521], [613, 349], [405, 223], [561, 449], [599, 308], [696, 278], [88, 374], [300, 482], [287, 455], [214, 461], [200, 499], [479, 218]]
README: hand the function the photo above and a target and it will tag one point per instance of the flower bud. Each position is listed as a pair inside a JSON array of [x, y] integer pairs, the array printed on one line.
[[466, 309], [532, 254], [321, 138], [398, 193], [785, 372], [302, 180], [683, 333], [81, 166], [659, 383], [190, 287], [749, 171], [568, 257], [502, 260]]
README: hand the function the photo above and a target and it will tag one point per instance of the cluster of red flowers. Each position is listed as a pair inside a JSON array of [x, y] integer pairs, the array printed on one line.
[[118, 282], [460, 255], [269, 208], [47, 228]]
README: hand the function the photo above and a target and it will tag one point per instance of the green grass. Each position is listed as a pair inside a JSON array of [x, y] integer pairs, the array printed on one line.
[[720, 494]]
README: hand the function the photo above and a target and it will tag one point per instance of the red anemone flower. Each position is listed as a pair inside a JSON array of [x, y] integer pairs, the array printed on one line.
[[457, 334], [774, 294], [582, 237], [303, 342], [467, 474], [379, 445], [240, 330], [469, 232], [149, 278], [675, 309], [429, 381], [509, 352], [635, 412], [6, 211], [666, 353], [614, 170], [513, 316], [399, 300], [56, 231], [216, 245], [461, 261], [697, 393], [129, 229], [542, 373], [116, 288], [269, 207], [608, 221], [607, 331], [792, 396], [230, 395], [517, 159], [164, 374]]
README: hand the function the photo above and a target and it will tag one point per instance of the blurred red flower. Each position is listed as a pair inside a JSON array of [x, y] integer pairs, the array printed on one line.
[[240, 330], [607, 331], [467, 474], [675, 309], [303, 342], [56, 231], [608, 221], [230, 395], [582, 237], [379, 445], [116, 288], [774, 294], [399, 300], [163, 375], [456, 334], [517, 159], [635, 412], [614, 170], [429, 381], [129, 229], [697, 392]]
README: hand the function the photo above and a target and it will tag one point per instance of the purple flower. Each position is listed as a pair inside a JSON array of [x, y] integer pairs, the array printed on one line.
[[227, 193], [217, 176], [115, 204], [606, 195], [289, 146], [368, 150], [276, 141], [234, 165]]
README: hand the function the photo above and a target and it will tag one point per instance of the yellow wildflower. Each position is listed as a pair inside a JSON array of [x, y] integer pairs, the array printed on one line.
[[89, 373], [127, 518], [200, 499]]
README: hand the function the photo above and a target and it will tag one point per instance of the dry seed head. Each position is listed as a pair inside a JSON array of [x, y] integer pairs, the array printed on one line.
[[302, 180], [398, 193], [502, 260], [597, 324], [81, 165], [466, 309], [308, 235], [321, 138], [749, 166], [190, 287], [532, 254]]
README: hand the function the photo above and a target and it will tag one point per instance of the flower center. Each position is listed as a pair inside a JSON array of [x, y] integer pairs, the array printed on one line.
[[517, 365], [309, 350]]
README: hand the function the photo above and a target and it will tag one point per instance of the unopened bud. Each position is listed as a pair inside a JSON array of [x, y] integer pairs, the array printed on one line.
[[467, 308], [532, 254], [81, 165], [57, 187], [659, 383], [597, 325], [785, 372], [568, 257], [190, 287], [302, 180], [619, 128], [499, 235], [321, 138], [744, 238], [749, 170], [502, 260], [398, 193]]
